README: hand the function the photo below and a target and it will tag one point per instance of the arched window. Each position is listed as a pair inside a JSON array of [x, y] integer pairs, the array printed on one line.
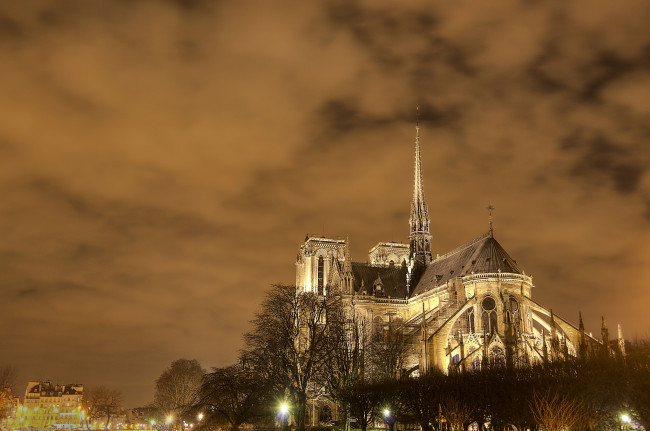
[[497, 357], [325, 415], [476, 363], [321, 271], [493, 322], [470, 321], [489, 315]]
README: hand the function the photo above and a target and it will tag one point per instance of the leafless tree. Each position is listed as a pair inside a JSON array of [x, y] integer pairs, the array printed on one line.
[[177, 388], [638, 378], [555, 412], [347, 366], [388, 350], [292, 340], [7, 377], [101, 402], [363, 401], [230, 395], [457, 412]]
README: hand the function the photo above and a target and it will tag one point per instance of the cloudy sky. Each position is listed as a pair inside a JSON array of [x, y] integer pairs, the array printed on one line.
[[161, 161]]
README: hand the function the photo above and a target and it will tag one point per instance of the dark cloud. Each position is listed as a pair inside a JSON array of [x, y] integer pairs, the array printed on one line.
[[10, 28], [599, 157]]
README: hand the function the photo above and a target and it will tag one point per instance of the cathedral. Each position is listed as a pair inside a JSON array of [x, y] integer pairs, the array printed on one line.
[[467, 308]]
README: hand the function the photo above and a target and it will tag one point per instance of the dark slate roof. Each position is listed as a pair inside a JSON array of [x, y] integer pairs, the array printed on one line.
[[482, 255], [393, 279]]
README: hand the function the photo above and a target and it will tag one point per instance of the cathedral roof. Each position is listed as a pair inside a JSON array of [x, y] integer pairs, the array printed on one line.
[[392, 279], [482, 255]]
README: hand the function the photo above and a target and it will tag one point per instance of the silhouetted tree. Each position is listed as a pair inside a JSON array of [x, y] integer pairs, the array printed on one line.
[[555, 411], [177, 388], [637, 372], [231, 395], [101, 403], [294, 336], [364, 402], [388, 350], [421, 398], [347, 365]]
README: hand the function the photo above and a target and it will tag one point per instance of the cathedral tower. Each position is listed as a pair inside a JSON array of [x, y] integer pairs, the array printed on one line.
[[419, 236]]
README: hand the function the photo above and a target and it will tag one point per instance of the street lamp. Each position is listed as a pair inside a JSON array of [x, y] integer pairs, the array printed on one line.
[[389, 419], [283, 416], [200, 417], [625, 418]]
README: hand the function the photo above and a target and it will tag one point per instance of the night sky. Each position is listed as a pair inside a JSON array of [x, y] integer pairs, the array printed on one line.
[[161, 162]]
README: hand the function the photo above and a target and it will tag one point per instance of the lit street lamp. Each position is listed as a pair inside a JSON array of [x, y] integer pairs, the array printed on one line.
[[283, 417], [625, 419], [389, 419]]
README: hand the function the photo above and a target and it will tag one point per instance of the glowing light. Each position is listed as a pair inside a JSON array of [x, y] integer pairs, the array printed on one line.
[[200, 416], [169, 419], [625, 418], [153, 422], [386, 413], [284, 409]]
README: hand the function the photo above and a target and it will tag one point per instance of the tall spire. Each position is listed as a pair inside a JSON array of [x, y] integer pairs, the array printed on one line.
[[419, 236], [490, 208]]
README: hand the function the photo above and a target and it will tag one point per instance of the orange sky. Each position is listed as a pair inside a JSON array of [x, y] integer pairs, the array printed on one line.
[[161, 161]]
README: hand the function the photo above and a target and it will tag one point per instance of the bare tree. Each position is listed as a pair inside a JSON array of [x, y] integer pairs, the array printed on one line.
[[388, 350], [103, 403], [292, 340], [177, 388], [554, 411], [347, 366], [231, 395], [638, 378], [7, 376], [421, 398], [457, 412], [363, 401]]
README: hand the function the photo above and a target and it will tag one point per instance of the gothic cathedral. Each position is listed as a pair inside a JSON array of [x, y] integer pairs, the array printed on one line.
[[467, 308]]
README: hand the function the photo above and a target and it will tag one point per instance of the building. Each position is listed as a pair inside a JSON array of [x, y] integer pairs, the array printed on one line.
[[51, 406], [464, 309]]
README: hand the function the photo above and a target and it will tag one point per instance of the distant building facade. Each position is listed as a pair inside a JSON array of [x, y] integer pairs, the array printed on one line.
[[50, 406]]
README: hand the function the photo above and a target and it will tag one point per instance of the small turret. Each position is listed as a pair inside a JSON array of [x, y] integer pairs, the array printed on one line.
[[621, 341], [582, 346], [604, 333], [348, 276]]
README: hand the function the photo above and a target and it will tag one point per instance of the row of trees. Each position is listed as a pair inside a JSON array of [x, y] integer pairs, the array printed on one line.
[[575, 394], [303, 346]]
